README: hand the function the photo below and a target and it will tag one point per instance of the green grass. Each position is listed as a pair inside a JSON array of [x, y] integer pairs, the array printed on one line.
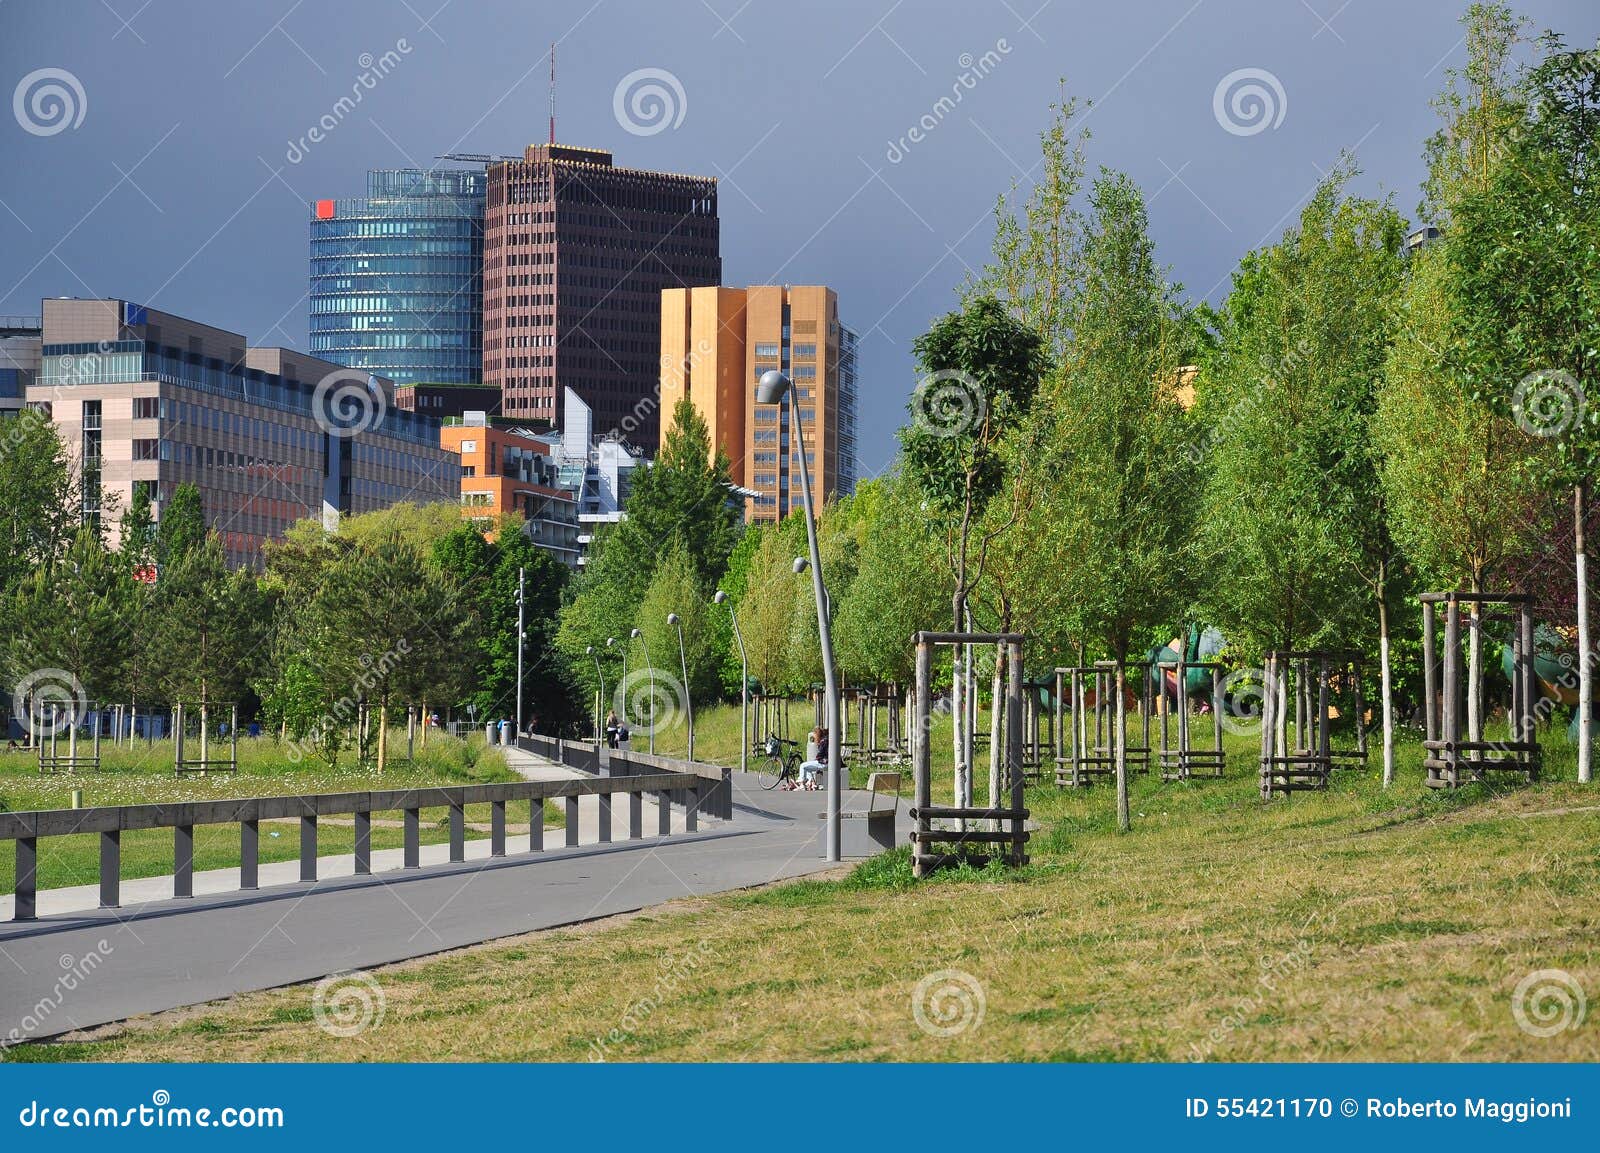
[[1356, 924], [143, 775]]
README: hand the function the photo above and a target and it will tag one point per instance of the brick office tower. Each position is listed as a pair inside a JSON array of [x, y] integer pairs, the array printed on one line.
[[576, 255]]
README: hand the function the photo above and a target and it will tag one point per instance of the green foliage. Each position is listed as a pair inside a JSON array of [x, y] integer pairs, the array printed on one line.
[[182, 529], [1292, 513], [38, 496]]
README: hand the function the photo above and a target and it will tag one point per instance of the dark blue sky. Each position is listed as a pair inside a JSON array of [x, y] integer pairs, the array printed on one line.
[[175, 188]]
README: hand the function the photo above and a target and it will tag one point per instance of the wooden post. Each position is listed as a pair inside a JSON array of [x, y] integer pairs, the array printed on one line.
[[1014, 747], [1430, 678], [921, 756], [1450, 702]]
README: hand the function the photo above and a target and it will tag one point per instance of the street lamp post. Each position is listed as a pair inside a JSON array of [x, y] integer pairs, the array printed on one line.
[[522, 637], [622, 685], [676, 622], [744, 684], [651, 669], [600, 697], [771, 390]]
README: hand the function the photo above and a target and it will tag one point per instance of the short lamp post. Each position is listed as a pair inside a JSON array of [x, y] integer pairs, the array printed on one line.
[[638, 634], [721, 598], [600, 696], [676, 622], [771, 390]]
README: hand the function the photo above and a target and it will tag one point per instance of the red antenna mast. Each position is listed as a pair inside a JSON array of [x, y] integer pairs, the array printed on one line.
[[552, 93]]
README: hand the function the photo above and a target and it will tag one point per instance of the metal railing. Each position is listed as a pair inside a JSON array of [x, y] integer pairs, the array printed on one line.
[[716, 781], [687, 790]]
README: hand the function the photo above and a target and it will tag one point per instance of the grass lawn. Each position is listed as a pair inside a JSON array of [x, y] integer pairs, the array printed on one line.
[[143, 775], [1357, 924]]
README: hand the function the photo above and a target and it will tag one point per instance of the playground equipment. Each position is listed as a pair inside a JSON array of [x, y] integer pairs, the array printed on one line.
[[1190, 757], [1091, 737], [1009, 843], [1313, 687], [201, 719], [1450, 760]]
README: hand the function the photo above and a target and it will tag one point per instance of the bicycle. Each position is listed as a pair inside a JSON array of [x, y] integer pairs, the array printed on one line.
[[777, 766]]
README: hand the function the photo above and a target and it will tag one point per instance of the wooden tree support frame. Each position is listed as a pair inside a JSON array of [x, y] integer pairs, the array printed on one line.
[[1091, 734], [1189, 758], [878, 724], [205, 762], [933, 822], [1450, 760], [68, 756], [769, 717], [1297, 707]]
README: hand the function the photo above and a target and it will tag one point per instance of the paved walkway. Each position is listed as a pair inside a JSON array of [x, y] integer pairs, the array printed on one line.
[[81, 966]]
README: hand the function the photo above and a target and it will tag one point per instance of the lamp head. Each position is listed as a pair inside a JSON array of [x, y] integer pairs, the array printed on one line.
[[771, 387], [672, 619], [588, 650], [636, 633], [720, 597], [801, 564], [610, 641]]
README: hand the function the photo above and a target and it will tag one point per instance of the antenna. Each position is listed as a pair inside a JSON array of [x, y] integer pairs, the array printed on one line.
[[552, 92]]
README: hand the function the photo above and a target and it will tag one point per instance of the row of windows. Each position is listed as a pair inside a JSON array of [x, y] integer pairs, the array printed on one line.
[[445, 305]]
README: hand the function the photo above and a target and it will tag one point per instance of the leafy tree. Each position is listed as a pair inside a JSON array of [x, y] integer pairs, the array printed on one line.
[[39, 496], [675, 588], [182, 528], [1121, 484], [1525, 255], [980, 371]]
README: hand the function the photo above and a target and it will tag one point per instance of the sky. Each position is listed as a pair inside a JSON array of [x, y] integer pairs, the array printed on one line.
[[159, 150]]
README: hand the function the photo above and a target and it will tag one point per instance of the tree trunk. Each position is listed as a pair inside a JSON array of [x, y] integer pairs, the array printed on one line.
[[1387, 690], [423, 720], [383, 736], [996, 717], [1580, 510], [205, 731], [958, 709], [1124, 822], [1475, 665]]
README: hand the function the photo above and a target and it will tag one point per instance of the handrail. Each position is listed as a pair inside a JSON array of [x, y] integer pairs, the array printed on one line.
[[24, 828]]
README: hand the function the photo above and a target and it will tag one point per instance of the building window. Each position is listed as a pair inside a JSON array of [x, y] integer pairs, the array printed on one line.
[[147, 449], [146, 408], [766, 352]]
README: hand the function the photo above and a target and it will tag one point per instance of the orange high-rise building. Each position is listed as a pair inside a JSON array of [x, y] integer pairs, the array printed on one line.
[[716, 343]]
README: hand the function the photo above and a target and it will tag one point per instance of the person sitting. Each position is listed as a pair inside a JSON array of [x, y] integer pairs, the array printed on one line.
[[816, 759]]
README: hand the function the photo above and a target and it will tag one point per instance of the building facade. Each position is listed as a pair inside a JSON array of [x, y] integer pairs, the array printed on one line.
[[145, 399], [597, 470], [716, 343], [506, 469], [21, 345], [442, 401], [397, 276], [576, 255]]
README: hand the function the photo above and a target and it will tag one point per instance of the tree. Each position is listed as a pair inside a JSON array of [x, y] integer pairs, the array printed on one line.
[[182, 528], [980, 371], [39, 505], [675, 588], [1294, 531], [1525, 253], [205, 629], [1120, 483]]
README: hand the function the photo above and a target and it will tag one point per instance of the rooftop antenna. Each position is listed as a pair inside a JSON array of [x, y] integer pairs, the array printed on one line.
[[552, 93]]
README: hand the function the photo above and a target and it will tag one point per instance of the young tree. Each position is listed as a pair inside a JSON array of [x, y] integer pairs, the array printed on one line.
[[182, 528], [1120, 483], [980, 371], [1293, 531], [39, 505], [1525, 253]]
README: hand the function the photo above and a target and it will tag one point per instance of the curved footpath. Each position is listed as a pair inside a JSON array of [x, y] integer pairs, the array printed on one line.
[[79, 966]]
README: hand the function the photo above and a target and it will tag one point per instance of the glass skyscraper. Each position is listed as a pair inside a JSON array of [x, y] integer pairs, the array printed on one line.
[[397, 276]]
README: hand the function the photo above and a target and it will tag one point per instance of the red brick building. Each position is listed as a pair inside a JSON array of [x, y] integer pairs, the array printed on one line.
[[576, 254]]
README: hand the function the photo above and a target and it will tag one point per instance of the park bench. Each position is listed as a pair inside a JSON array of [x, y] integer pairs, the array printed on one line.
[[871, 829]]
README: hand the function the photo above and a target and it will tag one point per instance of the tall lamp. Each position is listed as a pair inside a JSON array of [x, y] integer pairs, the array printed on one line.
[[676, 622], [600, 697], [651, 669], [771, 390]]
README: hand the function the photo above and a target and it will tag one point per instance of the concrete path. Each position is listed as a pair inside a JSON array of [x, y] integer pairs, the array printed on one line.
[[76, 969]]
